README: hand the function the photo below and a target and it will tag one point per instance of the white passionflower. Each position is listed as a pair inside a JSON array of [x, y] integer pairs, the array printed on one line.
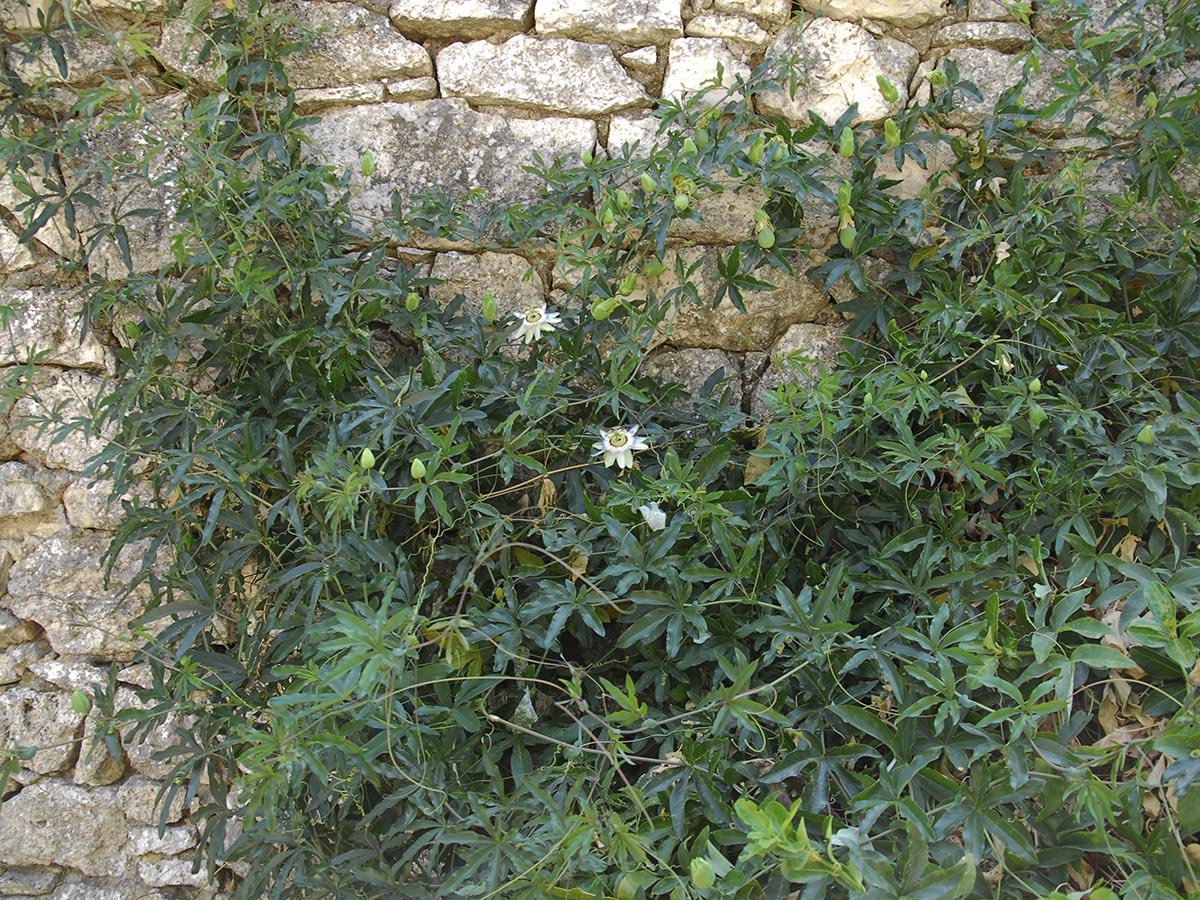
[[1002, 251], [655, 517], [535, 321], [618, 446]]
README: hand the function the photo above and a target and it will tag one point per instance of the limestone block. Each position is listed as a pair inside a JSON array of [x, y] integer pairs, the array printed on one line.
[[145, 205], [462, 19], [39, 420], [42, 719], [61, 586], [28, 15], [352, 46], [140, 751], [14, 256], [692, 368], [909, 13], [45, 328], [633, 22], [20, 494], [798, 358], [16, 659], [643, 59], [28, 882], [137, 800], [170, 872], [840, 63], [510, 279], [59, 823], [768, 12], [181, 50], [96, 765], [127, 890], [89, 503], [54, 234], [89, 59], [442, 144], [993, 73], [735, 30], [15, 631], [990, 11], [173, 841], [1007, 37], [70, 675], [693, 64], [912, 178], [768, 313], [555, 75]]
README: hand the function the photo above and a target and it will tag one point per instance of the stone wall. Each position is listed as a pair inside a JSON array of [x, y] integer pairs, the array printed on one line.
[[452, 95]]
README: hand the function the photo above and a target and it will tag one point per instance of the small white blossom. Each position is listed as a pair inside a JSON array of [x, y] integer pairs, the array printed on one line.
[[655, 517], [1002, 249], [535, 321], [618, 446]]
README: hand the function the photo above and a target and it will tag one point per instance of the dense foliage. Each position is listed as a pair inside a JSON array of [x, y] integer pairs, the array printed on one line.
[[928, 630]]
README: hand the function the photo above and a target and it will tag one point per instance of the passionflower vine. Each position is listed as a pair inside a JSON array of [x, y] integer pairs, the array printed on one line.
[[618, 446], [535, 321]]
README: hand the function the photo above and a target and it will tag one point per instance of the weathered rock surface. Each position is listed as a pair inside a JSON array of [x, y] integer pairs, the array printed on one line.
[[128, 890], [693, 368], [840, 64], [61, 586], [20, 494], [89, 503], [768, 12], [442, 144], [909, 13], [798, 358], [633, 22], [462, 19], [16, 659], [62, 824], [27, 882], [693, 64], [352, 46], [88, 59], [39, 420], [511, 281], [14, 256], [736, 30], [146, 839], [15, 631], [170, 873], [1007, 37], [46, 327], [31, 718], [147, 211], [993, 73], [555, 75], [136, 798], [96, 765], [54, 234]]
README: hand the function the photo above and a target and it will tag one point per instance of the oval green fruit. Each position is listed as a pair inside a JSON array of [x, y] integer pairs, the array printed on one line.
[[412, 301], [766, 238], [703, 876], [417, 469], [847, 236], [367, 459], [682, 202], [648, 184], [846, 142]]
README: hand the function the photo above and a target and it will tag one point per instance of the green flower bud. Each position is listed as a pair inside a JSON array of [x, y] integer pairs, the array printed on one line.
[[891, 132], [889, 91], [607, 219], [81, 703], [648, 184], [766, 238], [653, 269], [603, 307], [846, 143], [417, 469], [1037, 415], [628, 283], [623, 201], [703, 876], [937, 77], [755, 153], [412, 301], [682, 202], [689, 147], [1035, 385], [847, 236], [489, 307], [368, 165], [587, 157], [843, 196], [367, 459]]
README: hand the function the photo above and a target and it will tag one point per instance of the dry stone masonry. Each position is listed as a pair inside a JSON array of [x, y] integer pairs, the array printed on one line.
[[457, 95]]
